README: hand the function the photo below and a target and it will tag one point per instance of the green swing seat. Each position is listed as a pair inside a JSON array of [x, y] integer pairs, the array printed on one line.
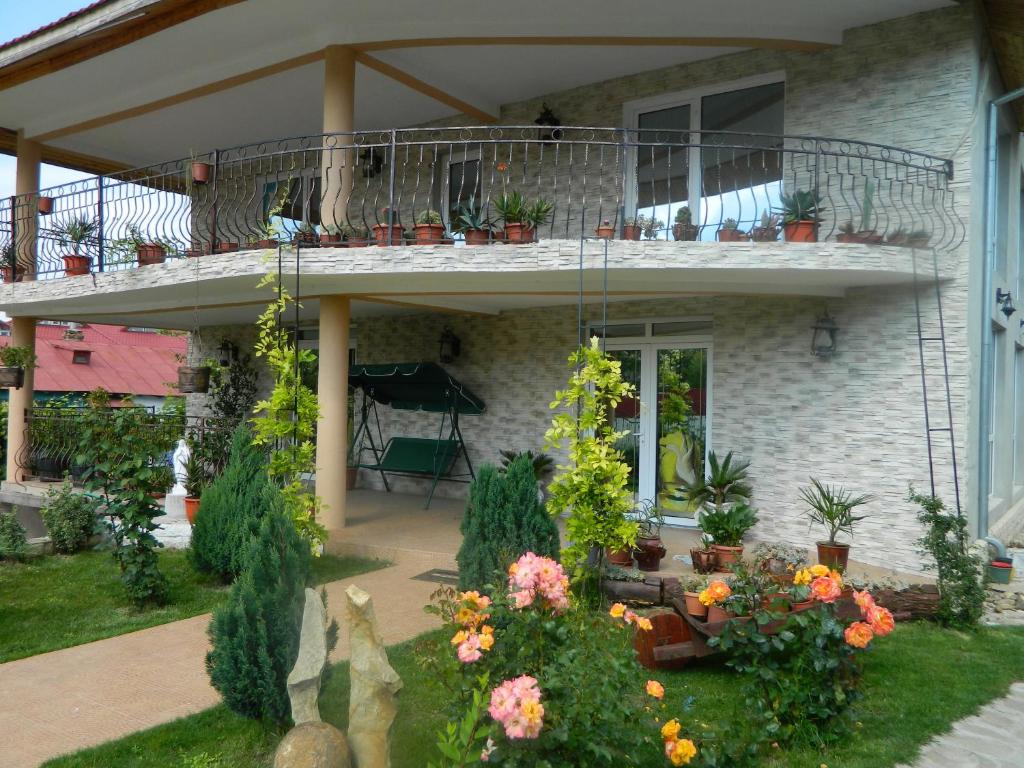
[[417, 456]]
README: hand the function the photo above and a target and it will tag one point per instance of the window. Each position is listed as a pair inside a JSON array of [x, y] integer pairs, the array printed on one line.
[[289, 202], [81, 356], [731, 166]]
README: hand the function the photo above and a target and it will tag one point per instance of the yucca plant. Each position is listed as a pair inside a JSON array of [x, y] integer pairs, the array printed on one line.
[[832, 506], [802, 205], [539, 213], [511, 207], [74, 232], [726, 482]]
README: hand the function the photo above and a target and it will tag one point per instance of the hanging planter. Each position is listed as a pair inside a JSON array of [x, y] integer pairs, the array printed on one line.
[[44, 205], [14, 361], [193, 380], [200, 172], [13, 378]]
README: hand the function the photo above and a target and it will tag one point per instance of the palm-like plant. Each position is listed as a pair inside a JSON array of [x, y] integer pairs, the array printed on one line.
[[75, 232], [512, 207], [542, 463], [832, 506], [726, 482]]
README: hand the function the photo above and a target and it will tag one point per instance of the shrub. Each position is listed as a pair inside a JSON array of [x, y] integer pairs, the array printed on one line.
[[503, 519], [230, 510], [255, 634], [70, 518], [947, 540], [13, 543]]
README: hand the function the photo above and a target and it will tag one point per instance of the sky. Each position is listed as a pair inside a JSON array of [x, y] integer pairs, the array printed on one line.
[[16, 18]]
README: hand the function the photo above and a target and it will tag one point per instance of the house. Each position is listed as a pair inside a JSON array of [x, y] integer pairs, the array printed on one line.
[[877, 348]]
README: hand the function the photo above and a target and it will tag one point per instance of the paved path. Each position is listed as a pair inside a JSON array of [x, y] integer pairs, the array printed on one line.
[[79, 697], [993, 738]]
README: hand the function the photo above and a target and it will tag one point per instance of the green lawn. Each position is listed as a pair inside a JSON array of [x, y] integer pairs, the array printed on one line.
[[55, 602], [917, 681]]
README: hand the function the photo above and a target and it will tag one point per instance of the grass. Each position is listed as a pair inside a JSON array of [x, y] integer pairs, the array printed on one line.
[[55, 602], [917, 682]]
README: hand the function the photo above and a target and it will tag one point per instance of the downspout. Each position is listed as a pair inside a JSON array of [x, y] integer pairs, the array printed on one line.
[[987, 297]]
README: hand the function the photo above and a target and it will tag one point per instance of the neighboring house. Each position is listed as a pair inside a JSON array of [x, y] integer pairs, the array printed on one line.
[[701, 114], [74, 360]]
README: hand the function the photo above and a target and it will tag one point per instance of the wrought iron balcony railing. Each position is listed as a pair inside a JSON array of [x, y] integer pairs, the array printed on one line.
[[375, 187]]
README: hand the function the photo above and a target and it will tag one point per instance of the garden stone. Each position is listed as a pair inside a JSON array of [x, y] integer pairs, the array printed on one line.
[[372, 706], [313, 745], [304, 679]]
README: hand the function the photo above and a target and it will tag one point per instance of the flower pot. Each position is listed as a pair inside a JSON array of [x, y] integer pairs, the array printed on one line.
[[195, 252], [193, 380], [801, 232], [191, 508], [227, 246], [358, 243], [649, 553], [694, 606], [731, 236], [12, 377], [619, 558], [76, 265], [801, 606], [779, 602], [684, 232], [704, 560], [266, 243], [835, 556], [867, 237], [631, 232], [726, 556], [764, 234], [44, 205], [717, 613], [306, 239], [11, 275], [519, 233], [380, 234], [200, 172], [429, 234], [149, 254], [477, 237], [351, 474], [605, 231], [327, 238]]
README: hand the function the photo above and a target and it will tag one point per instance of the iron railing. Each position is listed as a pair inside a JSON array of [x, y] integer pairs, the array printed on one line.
[[374, 187]]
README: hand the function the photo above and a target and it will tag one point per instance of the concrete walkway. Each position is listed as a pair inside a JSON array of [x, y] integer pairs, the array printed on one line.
[[993, 738], [83, 696]]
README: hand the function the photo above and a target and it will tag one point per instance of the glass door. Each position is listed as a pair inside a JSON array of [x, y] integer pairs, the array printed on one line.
[[681, 423], [627, 416]]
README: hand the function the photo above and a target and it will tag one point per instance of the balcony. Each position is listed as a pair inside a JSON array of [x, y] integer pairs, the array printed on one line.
[[691, 199]]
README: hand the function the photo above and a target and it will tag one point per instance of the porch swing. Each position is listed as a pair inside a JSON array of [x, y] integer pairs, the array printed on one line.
[[413, 387]]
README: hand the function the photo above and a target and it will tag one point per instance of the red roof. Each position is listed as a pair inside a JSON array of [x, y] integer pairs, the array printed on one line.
[[53, 24], [121, 361]]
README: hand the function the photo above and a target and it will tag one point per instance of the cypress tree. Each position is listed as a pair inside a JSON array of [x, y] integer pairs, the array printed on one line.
[[504, 519], [255, 634], [230, 509]]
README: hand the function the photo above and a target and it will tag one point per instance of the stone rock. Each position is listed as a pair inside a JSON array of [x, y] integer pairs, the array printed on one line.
[[313, 745], [304, 679], [371, 706]]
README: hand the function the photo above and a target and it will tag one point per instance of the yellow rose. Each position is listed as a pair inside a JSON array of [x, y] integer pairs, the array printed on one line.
[[617, 610], [486, 641], [644, 623], [819, 570], [460, 637], [683, 752], [802, 577], [670, 730]]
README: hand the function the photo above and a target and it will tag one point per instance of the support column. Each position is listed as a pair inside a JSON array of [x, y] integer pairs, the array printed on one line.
[[25, 217], [23, 334], [332, 429], [339, 155]]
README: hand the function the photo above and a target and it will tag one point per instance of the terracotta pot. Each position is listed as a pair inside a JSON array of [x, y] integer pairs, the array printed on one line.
[[649, 553], [200, 172], [867, 237], [351, 474], [731, 236], [358, 243], [10, 274], [801, 232], [227, 246], [193, 380], [266, 243], [191, 509], [519, 233], [149, 254], [12, 377], [195, 253], [717, 613], [477, 237], [684, 232], [76, 265], [782, 579], [380, 234], [833, 555], [306, 239], [631, 232], [619, 557], [704, 560], [726, 555], [764, 234], [779, 602], [326, 238], [694, 606], [429, 234], [606, 232], [801, 606], [44, 205]]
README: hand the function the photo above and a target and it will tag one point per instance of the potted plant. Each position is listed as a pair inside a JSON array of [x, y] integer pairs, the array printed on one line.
[[9, 263], [16, 360], [866, 232], [727, 525], [429, 227], [693, 585], [767, 230], [75, 233], [355, 237], [714, 597], [227, 246], [779, 561], [512, 208], [704, 559], [620, 558], [389, 231], [193, 379], [917, 238], [633, 228], [649, 548], [651, 227], [605, 230], [684, 228], [147, 252], [724, 487], [44, 205], [729, 232], [538, 214], [801, 214], [469, 221], [832, 507], [332, 234], [306, 235], [196, 480], [200, 172]]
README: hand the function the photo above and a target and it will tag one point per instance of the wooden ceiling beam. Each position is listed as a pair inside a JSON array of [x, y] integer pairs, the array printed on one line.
[[595, 40]]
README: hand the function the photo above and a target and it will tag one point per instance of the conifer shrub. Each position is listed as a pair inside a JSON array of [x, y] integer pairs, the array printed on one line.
[[255, 634], [230, 510], [504, 519]]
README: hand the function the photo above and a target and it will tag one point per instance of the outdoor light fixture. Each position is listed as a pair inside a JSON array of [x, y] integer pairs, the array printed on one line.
[[547, 119], [823, 343], [228, 352], [451, 347], [1005, 301]]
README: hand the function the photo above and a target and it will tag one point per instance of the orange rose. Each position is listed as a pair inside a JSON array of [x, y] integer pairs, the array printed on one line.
[[825, 589], [858, 634], [881, 620], [655, 689], [617, 610], [864, 601]]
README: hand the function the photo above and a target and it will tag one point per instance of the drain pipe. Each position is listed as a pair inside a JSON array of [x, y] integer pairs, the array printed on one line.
[[987, 297]]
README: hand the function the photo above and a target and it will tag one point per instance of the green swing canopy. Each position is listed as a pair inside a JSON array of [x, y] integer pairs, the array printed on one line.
[[415, 387]]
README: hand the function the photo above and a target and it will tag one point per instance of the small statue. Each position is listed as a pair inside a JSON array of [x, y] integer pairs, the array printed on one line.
[[180, 459]]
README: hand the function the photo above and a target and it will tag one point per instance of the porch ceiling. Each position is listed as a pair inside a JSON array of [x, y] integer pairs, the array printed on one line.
[[153, 84]]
